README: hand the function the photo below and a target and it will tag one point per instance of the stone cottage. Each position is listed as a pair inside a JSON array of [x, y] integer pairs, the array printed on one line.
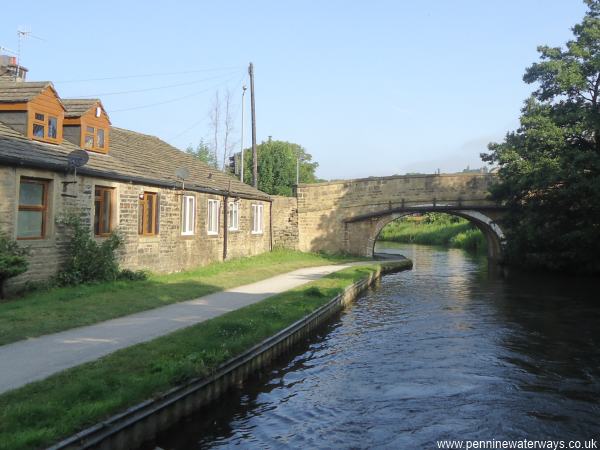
[[174, 211]]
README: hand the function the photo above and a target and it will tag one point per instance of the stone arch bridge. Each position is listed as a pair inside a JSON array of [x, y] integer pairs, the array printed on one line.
[[347, 216]]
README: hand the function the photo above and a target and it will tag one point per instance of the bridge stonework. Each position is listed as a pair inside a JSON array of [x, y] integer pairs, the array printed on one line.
[[347, 216]]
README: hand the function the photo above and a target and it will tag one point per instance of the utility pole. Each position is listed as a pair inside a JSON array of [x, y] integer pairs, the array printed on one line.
[[242, 138], [253, 112]]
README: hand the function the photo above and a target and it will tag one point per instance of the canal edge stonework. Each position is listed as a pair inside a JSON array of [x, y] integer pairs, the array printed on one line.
[[141, 423]]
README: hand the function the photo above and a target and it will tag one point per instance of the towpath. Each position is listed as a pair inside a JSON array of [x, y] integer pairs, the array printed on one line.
[[37, 358]]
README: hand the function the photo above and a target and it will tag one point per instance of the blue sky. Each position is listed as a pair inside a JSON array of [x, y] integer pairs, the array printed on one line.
[[367, 87]]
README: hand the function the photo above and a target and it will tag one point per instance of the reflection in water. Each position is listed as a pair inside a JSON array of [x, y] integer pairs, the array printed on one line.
[[445, 351]]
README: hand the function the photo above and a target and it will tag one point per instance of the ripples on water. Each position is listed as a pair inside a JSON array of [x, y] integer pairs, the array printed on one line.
[[445, 351]]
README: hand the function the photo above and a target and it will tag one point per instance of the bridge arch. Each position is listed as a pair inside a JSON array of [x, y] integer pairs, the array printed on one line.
[[491, 230]]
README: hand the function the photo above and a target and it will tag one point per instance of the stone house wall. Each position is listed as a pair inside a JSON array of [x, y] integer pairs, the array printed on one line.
[[168, 251], [285, 222]]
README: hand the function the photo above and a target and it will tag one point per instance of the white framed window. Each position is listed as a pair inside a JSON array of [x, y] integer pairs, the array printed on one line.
[[188, 215], [233, 215], [257, 219], [212, 220]]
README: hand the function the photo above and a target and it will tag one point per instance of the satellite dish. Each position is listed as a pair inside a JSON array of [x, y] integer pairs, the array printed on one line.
[[182, 173], [78, 158]]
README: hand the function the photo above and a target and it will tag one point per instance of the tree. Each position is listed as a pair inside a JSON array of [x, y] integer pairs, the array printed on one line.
[[221, 127], [227, 129], [215, 123], [277, 166], [203, 153], [549, 168], [12, 261]]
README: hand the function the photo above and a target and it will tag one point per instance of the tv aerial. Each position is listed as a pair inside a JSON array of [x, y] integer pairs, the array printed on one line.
[[22, 34], [7, 50]]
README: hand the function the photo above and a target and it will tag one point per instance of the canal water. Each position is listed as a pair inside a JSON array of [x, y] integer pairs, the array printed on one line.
[[449, 350]]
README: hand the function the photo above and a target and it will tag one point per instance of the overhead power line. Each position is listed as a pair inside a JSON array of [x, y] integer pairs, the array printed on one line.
[[157, 88], [157, 74], [194, 94], [198, 122]]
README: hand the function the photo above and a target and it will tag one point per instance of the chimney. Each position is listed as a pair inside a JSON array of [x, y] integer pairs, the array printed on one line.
[[10, 71]]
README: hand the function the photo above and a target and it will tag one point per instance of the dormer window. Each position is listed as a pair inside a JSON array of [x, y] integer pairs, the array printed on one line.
[[94, 138], [33, 109], [89, 137], [87, 124], [100, 138], [44, 127], [52, 127], [39, 126]]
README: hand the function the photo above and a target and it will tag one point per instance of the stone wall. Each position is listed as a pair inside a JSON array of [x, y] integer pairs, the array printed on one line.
[[168, 251], [44, 253], [285, 222]]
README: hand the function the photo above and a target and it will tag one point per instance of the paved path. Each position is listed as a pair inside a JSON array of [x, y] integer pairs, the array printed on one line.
[[34, 359]]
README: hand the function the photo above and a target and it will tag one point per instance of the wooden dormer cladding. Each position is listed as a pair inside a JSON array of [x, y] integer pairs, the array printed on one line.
[[34, 109], [87, 124], [45, 117]]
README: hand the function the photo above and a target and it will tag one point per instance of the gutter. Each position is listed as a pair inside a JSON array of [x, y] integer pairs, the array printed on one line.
[[13, 161]]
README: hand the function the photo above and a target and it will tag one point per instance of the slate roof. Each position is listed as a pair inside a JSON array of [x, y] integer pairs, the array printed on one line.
[[132, 156], [21, 91], [76, 107]]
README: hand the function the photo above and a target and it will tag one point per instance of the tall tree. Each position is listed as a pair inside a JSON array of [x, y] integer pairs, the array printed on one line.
[[277, 166], [215, 123], [204, 153], [227, 129], [221, 128], [549, 168]]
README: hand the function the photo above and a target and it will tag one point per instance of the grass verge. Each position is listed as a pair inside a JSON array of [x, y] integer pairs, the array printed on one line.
[[459, 234], [58, 309], [43, 412]]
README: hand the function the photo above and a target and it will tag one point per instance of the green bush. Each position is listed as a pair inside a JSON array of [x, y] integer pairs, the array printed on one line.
[[472, 240], [132, 275], [87, 260], [12, 261], [435, 229]]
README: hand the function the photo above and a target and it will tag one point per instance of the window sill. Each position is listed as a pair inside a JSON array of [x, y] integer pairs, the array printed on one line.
[[38, 243], [257, 232], [211, 233], [148, 237], [95, 150], [46, 140]]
